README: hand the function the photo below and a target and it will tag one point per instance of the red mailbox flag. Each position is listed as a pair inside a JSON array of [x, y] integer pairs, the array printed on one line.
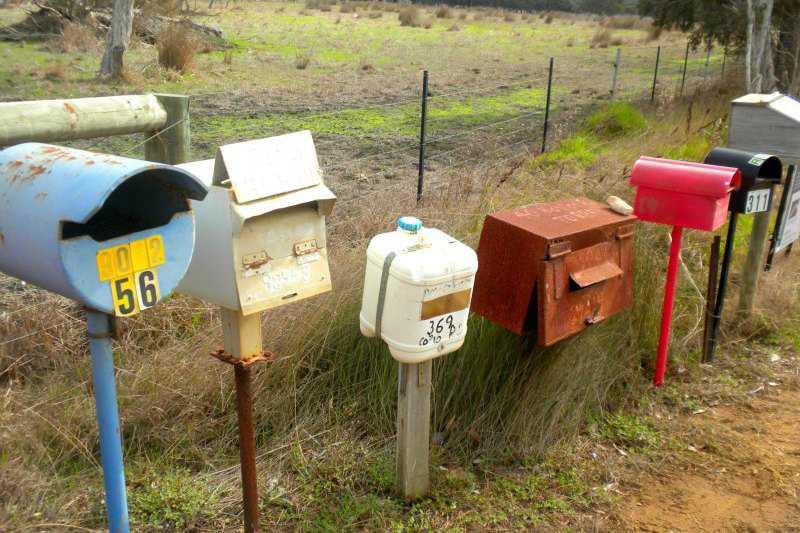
[[683, 195]]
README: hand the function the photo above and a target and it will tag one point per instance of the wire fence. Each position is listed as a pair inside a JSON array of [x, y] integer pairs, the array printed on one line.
[[376, 150]]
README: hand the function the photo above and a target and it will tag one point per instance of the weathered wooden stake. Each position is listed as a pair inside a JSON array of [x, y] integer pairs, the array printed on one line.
[[172, 143], [752, 265], [616, 73], [413, 428]]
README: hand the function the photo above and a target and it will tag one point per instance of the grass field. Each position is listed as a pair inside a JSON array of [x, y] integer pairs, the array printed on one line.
[[523, 437]]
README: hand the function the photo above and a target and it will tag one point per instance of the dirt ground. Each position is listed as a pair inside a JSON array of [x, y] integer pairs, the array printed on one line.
[[741, 472]]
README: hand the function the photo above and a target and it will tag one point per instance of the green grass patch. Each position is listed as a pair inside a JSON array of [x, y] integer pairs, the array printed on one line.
[[616, 119], [630, 431], [173, 499], [579, 150]]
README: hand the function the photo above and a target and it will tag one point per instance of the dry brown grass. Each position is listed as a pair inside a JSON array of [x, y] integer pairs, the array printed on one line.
[[348, 7], [626, 22], [443, 11], [509, 16], [603, 38], [410, 16], [654, 33], [176, 49], [74, 38], [55, 72], [301, 61]]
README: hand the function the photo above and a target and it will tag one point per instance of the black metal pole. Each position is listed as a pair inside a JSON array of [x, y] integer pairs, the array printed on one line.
[[422, 121], [724, 59], [547, 106], [723, 283], [655, 75], [685, 64], [787, 187], [711, 292]]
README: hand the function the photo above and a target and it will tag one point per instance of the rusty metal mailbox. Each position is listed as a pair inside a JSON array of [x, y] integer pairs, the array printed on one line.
[[555, 268]]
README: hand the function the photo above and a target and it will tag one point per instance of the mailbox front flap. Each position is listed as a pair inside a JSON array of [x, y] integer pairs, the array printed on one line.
[[752, 165], [268, 167], [596, 274], [320, 194], [685, 177]]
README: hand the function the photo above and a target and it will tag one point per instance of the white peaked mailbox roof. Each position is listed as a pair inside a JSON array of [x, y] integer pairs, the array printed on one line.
[[268, 167], [768, 123]]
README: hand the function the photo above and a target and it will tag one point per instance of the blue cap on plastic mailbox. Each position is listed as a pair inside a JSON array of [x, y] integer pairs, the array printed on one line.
[[412, 224]]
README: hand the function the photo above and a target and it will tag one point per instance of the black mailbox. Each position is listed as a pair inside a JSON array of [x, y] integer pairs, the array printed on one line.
[[760, 173]]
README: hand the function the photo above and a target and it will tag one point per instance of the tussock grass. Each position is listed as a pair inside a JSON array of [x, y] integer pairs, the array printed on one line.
[[176, 48], [410, 16], [325, 408]]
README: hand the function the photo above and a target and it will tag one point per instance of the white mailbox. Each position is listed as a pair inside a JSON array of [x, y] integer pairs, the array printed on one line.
[[417, 291], [261, 230]]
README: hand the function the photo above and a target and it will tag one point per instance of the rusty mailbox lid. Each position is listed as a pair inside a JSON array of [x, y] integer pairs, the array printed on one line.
[[516, 247]]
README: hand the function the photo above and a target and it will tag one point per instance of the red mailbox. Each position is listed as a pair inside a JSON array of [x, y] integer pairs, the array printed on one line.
[[679, 193], [683, 195]]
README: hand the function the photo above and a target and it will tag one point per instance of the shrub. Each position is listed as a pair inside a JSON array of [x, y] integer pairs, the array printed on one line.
[[443, 11], [616, 119], [409, 16], [654, 32], [602, 38], [176, 50], [74, 38], [301, 61]]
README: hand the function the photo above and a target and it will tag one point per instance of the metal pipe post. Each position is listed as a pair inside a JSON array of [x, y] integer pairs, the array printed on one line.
[[685, 65], [723, 285], [655, 75], [711, 292], [669, 300], [547, 106], [787, 187], [616, 73], [105, 395], [422, 121], [247, 448]]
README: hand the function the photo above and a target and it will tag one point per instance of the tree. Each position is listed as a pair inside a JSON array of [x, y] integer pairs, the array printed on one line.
[[766, 32], [119, 38]]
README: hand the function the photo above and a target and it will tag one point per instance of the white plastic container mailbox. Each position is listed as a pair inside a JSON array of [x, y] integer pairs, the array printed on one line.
[[417, 291]]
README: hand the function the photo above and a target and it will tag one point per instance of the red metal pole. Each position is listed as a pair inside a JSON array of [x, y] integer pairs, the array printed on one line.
[[669, 299]]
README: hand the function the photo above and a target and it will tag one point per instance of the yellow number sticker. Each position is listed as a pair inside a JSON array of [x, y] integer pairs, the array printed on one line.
[[123, 292], [147, 289], [155, 249], [105, 265], [122, 256], [131, 273], [139, 259]]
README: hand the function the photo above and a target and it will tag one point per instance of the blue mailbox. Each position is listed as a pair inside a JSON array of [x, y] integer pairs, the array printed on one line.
[[112, 233]]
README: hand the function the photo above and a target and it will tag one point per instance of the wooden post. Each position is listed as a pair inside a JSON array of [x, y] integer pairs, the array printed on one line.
[[616, 74], [79, 118], [172, 143], [413, 429], [752, 265]]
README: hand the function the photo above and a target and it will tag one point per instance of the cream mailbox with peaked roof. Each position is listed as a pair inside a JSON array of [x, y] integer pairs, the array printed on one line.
[[261, 230]]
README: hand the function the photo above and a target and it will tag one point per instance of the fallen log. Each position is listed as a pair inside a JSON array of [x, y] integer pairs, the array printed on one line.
[[47, 22]]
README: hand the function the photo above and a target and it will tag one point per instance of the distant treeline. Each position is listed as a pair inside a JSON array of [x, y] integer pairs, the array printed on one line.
[[604, 7]]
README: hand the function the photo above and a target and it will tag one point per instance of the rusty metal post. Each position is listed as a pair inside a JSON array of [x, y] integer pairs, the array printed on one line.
[[711, 292], [247, 448], [243, 348]]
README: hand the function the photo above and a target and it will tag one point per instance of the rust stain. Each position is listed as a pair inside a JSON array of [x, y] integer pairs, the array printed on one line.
[[14, 164], [88, 162], [69, 107], [2, 238], [37, 170]]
